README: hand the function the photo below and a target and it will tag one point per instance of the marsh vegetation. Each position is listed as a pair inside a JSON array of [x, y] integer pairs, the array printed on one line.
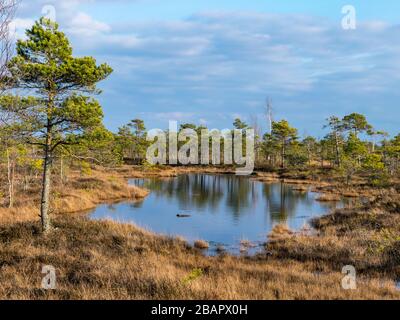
[[57, 159]]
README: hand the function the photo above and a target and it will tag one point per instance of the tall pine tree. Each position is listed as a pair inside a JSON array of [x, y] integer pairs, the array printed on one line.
[[54, 96]]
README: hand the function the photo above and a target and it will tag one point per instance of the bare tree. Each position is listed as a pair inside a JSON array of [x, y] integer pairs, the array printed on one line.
[[257, 132], [7, 12], [269, 114]]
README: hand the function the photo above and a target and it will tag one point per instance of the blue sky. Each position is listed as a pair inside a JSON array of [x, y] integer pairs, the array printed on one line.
[[180, 9], [208, 62]]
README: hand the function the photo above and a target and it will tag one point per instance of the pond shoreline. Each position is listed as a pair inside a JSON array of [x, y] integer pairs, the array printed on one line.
[[195, 206], [323, 181]]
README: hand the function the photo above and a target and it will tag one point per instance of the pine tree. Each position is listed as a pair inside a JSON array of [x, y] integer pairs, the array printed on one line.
[[56, 101]]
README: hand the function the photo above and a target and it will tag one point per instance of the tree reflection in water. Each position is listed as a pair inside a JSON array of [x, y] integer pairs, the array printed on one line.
[[240, 195], [221, 209]]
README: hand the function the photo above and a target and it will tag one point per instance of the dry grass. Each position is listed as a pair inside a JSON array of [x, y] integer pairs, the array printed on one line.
[[301, 188], [367, 237], [346, 191], [106, 260], [201, 244], [140, 171], [247, 244], [167, 171], [328, 198], [78, 193], [267, 177], [280, 232]]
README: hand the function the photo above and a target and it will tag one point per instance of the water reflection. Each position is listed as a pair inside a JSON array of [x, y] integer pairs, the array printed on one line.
[[223, 209], [239, 194]]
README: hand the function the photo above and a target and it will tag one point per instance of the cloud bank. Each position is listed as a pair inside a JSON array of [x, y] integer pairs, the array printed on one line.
[[212, 66]]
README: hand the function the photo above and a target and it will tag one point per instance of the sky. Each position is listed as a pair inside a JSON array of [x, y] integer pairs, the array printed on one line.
[[211, 61]]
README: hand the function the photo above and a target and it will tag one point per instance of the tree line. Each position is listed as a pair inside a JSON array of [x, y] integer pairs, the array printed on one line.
[[351, 146]]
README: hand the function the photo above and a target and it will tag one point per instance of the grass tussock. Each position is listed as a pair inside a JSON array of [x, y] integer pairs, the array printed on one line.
[[301, 188], [280, 232], [201, 244], [328, 198], [244, 243]]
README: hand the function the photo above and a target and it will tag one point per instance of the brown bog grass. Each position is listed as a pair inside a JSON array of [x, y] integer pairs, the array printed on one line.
[[78, 193], [107, 260], [201, 244], [367, 237], [328, 198]]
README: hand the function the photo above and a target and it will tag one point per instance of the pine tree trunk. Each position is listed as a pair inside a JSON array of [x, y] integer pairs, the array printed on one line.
[[46, 184], [62, 170], [338, 162], [10, 180]]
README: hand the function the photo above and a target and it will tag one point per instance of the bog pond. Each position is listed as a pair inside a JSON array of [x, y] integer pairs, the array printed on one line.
[[224, 210]]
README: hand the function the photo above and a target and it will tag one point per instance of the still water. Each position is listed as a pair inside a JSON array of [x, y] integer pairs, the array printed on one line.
[[224, 210]]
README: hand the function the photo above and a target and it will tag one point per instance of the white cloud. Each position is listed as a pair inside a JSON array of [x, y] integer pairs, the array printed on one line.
[[18, 27], [84, 25]]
